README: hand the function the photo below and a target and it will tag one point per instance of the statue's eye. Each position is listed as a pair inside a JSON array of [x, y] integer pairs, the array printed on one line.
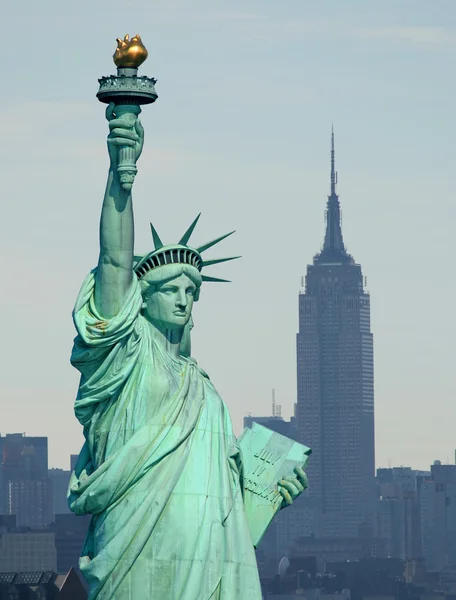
[[190, 291]]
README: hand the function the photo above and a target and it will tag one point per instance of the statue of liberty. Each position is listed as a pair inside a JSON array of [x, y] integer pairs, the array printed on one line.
[[160, 470]]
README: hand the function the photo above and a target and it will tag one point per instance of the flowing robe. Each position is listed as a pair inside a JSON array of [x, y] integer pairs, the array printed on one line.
[[159, 471]]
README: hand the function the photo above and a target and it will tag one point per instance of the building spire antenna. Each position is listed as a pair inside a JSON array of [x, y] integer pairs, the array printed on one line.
[[333, 250], [333, 165]]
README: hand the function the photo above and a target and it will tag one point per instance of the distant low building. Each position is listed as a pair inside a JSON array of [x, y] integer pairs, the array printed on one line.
[[60, 480], [70, 533], [56, 548], [328, 550], [27, 551], [73, 460], [398, 523], [313, 594], [31, 501], [373, 578], [438, 517], [416, 515], [43, 585], [7, 523]]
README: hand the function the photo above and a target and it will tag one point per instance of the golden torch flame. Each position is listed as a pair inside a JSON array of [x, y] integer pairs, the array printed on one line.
[[130, 54]]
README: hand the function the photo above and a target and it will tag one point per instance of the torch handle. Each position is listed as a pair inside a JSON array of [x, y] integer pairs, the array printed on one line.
[[126, 168]]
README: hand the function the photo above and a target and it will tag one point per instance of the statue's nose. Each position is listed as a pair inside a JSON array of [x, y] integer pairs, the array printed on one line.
[[181, 299]]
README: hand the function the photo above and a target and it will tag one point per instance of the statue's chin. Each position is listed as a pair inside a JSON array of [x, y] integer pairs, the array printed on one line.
[[174, 327], [169, 327]]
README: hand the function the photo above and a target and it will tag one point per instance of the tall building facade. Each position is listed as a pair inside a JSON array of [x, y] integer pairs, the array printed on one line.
[[438, 517], [398, 523], [25, 489], [335, 384], [60, 481]]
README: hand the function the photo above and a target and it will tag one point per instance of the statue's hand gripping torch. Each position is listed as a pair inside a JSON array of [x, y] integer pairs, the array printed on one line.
[[127, 91], [124, 118]]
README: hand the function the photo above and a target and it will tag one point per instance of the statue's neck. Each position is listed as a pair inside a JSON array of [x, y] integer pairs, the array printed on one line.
[[169, 340]]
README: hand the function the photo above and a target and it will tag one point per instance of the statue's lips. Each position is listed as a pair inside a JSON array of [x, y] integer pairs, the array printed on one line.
[[179, 314]]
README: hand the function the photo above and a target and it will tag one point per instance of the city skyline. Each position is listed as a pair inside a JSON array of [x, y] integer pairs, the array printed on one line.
[[247, 95]]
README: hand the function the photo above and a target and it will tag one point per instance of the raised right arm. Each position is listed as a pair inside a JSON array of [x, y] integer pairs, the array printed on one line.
[[114, 274]]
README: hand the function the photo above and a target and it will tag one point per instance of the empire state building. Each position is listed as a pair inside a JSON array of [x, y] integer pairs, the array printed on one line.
[[335, 382]]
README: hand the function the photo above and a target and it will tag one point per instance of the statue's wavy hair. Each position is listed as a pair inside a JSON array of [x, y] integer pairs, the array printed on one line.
[[161, 275]]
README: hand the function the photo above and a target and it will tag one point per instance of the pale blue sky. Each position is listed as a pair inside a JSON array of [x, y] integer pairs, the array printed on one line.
[[247, 94]]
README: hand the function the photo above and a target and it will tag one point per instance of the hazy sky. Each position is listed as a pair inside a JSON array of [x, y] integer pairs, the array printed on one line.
[[241, 130]]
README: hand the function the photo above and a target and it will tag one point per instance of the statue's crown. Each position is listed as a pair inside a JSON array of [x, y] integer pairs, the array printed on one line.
[[179, 253]]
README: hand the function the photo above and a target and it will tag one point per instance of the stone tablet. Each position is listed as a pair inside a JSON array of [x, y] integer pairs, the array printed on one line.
[[267, 457]]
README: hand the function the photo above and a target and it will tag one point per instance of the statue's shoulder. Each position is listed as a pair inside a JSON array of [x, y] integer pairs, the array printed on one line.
[[191, 361]]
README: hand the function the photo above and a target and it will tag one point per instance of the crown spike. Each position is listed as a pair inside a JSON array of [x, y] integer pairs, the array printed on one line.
[[205, 247], [184, 239], [215, 279], [157, 241], [216, 261]]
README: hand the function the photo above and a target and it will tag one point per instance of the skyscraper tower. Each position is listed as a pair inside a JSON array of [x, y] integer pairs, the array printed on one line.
[[25, 489], [335, 382]]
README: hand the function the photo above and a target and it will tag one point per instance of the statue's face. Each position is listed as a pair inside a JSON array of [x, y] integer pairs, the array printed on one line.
[[171, 303]]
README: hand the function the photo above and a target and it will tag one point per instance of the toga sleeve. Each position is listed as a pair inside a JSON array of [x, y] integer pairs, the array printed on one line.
[[105, 351], [93, 330]]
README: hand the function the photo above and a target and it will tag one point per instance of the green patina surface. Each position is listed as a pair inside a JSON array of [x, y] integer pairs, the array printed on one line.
[[160, 470]]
